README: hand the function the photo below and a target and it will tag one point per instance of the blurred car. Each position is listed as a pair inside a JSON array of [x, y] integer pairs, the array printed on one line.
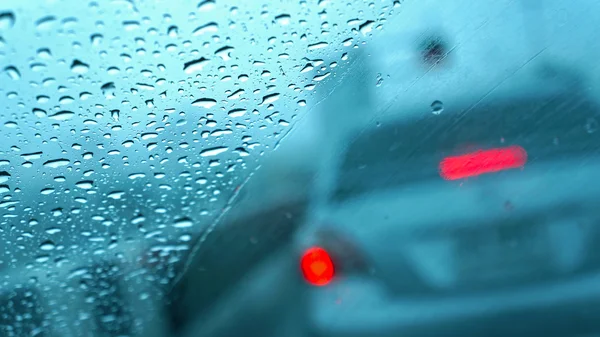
[[464, 201], [460, 223]]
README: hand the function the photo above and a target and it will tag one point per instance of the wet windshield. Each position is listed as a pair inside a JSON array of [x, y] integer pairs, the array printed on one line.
[[299, 168]]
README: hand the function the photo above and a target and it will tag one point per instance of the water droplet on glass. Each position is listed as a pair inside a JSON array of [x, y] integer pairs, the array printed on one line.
[[268, 99], [206, 103], [437, 107], [149, 135], [206, 5], [66, 100], [85, 184], [134, 176], [317, 45], [236, 112], [366, 27], [7, 20], [116, 195], [37, 67], [195, 65], [32, 155], [62, 115], [213, 151], [172, 31], [48, 190], [108, 90], [56, 163], [224, 53], [183, 223], [283, 19], [4, 176], [115, 114], [12, 72], [211, 27], [79, 67], [11, 124], [47, 245], [39, 112], [45, 23], [379, 80], [131, 25]]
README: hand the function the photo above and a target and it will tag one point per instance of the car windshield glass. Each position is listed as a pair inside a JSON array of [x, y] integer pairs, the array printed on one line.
[[299, 168]]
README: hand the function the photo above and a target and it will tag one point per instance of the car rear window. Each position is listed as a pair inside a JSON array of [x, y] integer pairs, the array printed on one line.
[[410, 151]]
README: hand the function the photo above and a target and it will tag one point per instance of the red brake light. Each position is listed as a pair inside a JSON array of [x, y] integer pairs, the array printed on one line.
[[482, 161], [317, 266]]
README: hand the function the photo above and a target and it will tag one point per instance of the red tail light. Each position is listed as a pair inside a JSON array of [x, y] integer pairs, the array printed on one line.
[[482, 161], [317, 266]]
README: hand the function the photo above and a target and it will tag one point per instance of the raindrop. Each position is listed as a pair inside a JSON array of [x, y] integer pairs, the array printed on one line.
[[108, 90], [116, 195], [7, 20], [4, 176], [149, 135], [85, 184], [79, 67], [268, 99], [379, 80], [366, 27], [308, 67], [53, 230], [115, 114], [283, 19], [237, 113], [224, 53], [45, 23], [437, 107], [206, 5], [44, 53], [131, 25], [47, 245], [319, 78], [211, 27], [183, 223], [317, 45], [47, 191], [11, 124], [42, 99], [172, 31], [195, 65], [134, 176], [32, 156], [213, 151], [66, 100], [39, 112], [12, 72], [37, 67], [56, 163], [62, 115], [96, 39], [206, 103]]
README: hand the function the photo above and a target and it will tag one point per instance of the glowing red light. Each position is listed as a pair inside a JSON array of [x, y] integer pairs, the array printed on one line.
[[317, 266], [482, 161]]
